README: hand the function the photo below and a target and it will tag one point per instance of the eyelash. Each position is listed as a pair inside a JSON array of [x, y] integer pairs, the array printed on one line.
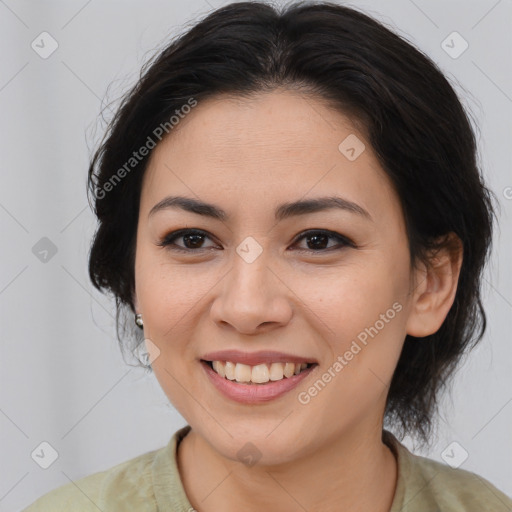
[[168, 240]]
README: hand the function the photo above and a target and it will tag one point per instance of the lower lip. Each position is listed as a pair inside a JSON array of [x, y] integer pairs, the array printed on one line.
[[255, 393]]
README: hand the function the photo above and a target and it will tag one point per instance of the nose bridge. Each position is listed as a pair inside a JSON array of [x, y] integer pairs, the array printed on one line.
[[251, 259], [251, 294], [249, 278]]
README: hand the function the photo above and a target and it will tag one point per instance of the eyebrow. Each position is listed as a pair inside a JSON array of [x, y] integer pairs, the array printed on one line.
[[283, 211]]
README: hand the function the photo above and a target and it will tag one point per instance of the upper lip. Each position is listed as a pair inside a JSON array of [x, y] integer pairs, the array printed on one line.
[[255, 358]]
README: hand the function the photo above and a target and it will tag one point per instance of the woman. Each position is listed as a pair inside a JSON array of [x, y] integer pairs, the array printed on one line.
[[290, 206]]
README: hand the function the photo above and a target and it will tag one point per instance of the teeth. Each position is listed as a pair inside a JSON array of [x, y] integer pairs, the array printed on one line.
[[289, 368], [219, 368], [229, 368], [259, 374], [276, 371], [242, 373]]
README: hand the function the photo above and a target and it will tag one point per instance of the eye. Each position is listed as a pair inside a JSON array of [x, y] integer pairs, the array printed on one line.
[[319, 239], [192, 239]]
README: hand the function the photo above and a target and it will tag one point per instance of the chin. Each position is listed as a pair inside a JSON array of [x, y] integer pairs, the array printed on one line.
[[265, 442]]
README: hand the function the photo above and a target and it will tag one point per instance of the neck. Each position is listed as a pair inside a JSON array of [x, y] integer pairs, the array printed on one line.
[[355, 472]]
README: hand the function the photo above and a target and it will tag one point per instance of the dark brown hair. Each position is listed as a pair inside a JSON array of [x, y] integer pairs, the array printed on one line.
[[413, 119]]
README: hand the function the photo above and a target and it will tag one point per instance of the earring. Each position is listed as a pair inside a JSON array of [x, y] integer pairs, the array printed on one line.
[[138, 320]]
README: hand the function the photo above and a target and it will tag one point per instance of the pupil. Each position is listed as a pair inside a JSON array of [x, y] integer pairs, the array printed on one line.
[[316, 237], [187, 239]]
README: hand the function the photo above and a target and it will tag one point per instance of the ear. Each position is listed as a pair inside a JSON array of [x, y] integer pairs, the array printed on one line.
[[436, 286]]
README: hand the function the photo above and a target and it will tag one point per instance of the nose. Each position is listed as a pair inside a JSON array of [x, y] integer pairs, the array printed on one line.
[[252, 298]]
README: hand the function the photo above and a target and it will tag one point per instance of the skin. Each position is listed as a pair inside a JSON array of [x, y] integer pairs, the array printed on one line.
[[247, 157]]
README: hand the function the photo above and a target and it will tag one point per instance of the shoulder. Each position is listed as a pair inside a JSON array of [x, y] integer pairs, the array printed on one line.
[[426, 485], [127, 482], [457, 489]]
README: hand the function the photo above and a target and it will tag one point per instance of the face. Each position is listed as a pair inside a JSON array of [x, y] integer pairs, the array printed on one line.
[[326, 286]]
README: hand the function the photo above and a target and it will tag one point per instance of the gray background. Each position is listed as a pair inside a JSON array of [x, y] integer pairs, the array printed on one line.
[[63, 379]]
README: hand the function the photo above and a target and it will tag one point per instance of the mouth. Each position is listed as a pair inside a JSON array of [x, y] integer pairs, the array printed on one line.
[[256, 384], [260, 374]]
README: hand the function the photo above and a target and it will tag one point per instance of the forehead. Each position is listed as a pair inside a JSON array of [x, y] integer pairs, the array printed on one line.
[[281, 124], [268, 148]]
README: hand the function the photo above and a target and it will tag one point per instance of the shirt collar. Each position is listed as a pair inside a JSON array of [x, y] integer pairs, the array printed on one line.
[[410, 487]]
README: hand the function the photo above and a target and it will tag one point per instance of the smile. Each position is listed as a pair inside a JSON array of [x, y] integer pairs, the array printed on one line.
[[275, 379], [258, 374]]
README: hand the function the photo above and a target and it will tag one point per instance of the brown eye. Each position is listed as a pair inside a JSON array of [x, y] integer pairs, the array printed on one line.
[[193, 240], [318, 240]]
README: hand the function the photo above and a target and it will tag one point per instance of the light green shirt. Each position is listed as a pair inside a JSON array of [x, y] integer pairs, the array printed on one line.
[[151, 483]]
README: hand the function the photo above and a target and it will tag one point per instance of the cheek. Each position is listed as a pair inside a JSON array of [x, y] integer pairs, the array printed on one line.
[[169, 293], [362, 314], [363, 349], [349, 299]]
